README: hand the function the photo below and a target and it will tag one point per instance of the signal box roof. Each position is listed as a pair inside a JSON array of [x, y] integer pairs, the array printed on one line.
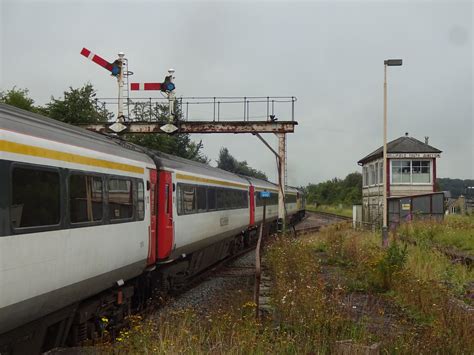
[[403, 144]]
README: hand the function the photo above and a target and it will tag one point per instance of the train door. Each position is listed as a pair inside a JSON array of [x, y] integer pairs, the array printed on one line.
[[153, 216], [165, 214], [252, 205]]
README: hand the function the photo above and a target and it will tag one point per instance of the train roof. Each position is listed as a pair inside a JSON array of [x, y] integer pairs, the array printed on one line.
[[260, 183], [29, 123], [169, 161]]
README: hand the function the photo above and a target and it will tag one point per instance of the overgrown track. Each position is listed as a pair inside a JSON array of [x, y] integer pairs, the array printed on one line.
[[455, 255], [313, 221]]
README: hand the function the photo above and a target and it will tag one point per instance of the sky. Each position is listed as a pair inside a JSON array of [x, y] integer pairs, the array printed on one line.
[[328, 54]]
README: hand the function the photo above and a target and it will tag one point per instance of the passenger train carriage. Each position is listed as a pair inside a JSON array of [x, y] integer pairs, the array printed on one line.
[[91, 226]]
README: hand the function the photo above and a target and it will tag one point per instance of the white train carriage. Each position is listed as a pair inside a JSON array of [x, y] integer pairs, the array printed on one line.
[[82, 213], [210, 212], [74, 218], [271, 213]]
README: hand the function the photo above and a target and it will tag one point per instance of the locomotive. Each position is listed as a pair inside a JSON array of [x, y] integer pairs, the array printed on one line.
[[92, 226]]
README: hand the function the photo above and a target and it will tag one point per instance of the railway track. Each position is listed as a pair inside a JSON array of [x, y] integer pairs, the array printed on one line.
[[222, 279], [313, 221]]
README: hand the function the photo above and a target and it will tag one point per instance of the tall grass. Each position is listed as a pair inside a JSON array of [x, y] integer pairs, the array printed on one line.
[[453, 232], [310, 317], [419, 279], [307, 319]]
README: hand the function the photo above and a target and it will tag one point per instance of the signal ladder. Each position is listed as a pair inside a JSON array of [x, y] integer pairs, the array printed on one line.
[[126, 86]]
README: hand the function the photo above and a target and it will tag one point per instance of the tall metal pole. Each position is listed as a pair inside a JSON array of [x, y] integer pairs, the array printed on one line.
[[281, 180], [384, 226], [121, 56], [171, 97]]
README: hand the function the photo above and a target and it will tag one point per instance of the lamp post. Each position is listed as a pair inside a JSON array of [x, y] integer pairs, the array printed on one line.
[[387, 63]]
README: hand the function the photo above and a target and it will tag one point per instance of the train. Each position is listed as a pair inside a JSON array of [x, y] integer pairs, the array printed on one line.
[[91, 227]]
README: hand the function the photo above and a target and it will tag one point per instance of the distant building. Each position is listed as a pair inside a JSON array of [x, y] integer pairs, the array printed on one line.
[[460, 205], [411, 171]]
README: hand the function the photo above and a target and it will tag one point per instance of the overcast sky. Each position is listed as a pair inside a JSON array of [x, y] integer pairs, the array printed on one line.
[[329, 54]]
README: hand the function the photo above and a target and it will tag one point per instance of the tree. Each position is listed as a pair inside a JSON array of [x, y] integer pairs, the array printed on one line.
[[177, 144], [337, 191], [457, 187], [227, 162], [18, 98], [78, 106]]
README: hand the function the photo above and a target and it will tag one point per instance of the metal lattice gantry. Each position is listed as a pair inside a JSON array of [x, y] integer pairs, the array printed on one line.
[[203, 115]]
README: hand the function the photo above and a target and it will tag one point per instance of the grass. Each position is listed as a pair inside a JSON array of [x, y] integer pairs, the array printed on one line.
[[420, 280], [311, 312], [453, 232], [339, 210], [307, 319]]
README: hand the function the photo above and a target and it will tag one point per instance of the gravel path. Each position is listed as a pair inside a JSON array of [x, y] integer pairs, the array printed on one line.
[[236, 277]]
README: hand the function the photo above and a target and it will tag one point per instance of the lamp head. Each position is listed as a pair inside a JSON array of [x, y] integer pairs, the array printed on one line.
[[393, 62]]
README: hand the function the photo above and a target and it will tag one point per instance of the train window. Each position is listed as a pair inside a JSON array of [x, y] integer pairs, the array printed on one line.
[[167, 197], [240, 199], [220, 199], [120, 199], [201, 199], [245, 199], [270, 201], [211, 198], [35, 198], [85, 198], [186, 199], [290, 198], [141, 201]]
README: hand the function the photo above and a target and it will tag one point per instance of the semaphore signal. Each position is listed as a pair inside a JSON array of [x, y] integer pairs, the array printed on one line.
[[116, 70], [168, 87], [145, 86]]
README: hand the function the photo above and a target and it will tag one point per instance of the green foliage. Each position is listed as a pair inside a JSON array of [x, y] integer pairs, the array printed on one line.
[[393, 261], [456, 186], [177, 144], [227, 162], [337, 191], [18, 98], [454, 232], [77, 107], [420, 281]]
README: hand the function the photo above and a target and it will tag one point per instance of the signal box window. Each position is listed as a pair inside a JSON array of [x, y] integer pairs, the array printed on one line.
[[85, 198], [120, 199], [35, 198]]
